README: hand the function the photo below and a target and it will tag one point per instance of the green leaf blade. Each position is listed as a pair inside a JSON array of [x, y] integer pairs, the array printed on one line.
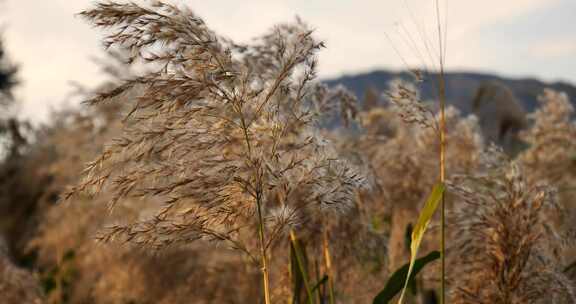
[[396, 281], [420, 228]]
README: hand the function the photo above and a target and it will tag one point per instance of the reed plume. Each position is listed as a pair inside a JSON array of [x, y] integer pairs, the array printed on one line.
[[223, 137], [506, 248]]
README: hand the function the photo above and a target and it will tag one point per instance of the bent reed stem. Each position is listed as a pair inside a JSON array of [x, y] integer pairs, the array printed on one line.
[[328, 264], [299, 260]]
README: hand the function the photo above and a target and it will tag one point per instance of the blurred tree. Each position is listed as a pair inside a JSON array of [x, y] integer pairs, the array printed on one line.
[[371, 98], [7, 76], [10, 136], [500, 114]]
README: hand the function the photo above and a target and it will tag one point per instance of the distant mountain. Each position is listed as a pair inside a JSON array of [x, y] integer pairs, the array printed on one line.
[[461, 87]]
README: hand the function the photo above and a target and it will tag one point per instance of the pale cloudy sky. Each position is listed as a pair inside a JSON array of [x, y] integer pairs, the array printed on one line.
[[518, 38]]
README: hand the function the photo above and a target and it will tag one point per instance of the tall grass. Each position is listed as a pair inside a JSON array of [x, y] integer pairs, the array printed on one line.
[[412, 111], [222, 143], [224, 136], [507, 247]]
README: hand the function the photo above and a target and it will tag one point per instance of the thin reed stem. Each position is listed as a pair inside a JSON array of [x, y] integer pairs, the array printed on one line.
[[442, 89], [264, 258], [299, 260], [261, 234], [328, 264], [442, 180]]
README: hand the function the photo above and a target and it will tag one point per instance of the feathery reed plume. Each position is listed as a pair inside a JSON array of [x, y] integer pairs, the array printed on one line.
[[505, 245], [405, 178], [409, 106], [222, 134], [552, 140]]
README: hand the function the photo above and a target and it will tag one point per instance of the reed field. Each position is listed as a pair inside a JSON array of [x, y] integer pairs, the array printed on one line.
[[204, 170]]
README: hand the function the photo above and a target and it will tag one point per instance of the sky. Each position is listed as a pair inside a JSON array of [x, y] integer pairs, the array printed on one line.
[[516, 38]]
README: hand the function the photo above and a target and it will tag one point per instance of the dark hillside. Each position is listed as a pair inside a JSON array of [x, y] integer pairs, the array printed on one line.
[[461, 86]]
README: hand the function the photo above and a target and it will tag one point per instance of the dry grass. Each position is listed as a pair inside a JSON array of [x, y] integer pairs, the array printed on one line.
[[218, 145]]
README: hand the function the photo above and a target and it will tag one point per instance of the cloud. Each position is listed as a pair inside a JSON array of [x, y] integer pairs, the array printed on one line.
[[472, 15], [54, 47], [356, 32], [554, 48]]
